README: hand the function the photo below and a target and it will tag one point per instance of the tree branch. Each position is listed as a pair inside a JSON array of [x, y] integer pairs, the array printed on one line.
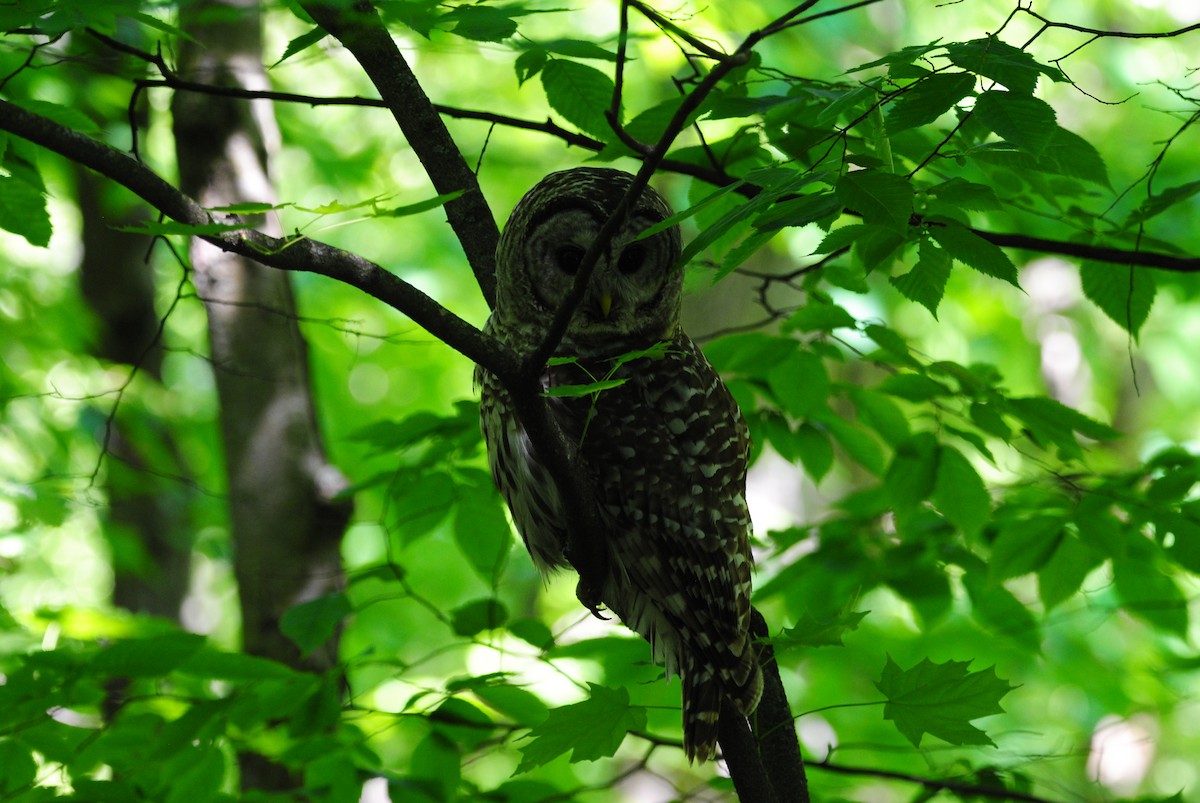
[[300, 254], [971, 790], [362, 32]]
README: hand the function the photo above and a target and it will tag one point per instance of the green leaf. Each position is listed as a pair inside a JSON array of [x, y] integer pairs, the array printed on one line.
[[800, 211], [941, 700], [1147, 592], [419, 206], [973, 251], [1122, 292], [161, 228], [959, 493], [966, 195], [913, 387], [23, 211], [817, 316], [529, 64], [914, 469], [580, 94], [824, 630], [1003, 613], [574, 391], [1063, 574], [881, 414], [800, 383], [1024, 545], [17, 767], [883, 199], [533, 632], [147, 657], [926, 282], [480, 527], [216, 664], [1027, 122], [301, 43], [478, 616], [905, 55], [1069, 154], [1003, 63], [482, 23], [1052, 422], [591, 729], [1157, 204], [843, 237], [522, 707], [814, 449], [579, 49], [310, 624], [928, 100]]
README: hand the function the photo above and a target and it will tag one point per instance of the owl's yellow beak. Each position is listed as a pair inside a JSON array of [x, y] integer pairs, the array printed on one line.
[[605, 302]]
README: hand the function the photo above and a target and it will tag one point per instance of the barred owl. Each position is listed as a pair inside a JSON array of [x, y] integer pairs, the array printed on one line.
[[665, 449]]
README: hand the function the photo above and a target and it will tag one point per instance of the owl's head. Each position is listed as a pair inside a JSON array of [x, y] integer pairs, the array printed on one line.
[[633, 295]]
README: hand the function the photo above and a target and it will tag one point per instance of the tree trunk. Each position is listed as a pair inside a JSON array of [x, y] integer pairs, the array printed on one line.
[[285, 523]]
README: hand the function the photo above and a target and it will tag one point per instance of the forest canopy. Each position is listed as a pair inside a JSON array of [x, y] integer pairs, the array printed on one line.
[[942, 253]]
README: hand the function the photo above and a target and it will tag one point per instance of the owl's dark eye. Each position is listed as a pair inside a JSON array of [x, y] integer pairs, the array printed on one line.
[[631, 260], [567, 258]]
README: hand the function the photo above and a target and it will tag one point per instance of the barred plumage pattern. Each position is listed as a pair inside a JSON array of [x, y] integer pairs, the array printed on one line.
[[666, 449]]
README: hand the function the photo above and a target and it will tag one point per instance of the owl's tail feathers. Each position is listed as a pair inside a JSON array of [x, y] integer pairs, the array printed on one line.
[[704, 687]]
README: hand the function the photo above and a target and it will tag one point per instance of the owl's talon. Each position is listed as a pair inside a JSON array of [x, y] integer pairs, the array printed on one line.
[[590, 599]]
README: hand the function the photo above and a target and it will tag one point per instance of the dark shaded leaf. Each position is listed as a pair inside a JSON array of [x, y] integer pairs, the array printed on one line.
[[941, 700]]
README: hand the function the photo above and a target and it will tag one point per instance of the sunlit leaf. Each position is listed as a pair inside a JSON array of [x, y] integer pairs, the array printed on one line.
[[1023, 120], [928, 100], [311, 624], [1122, 292], [590, 730], [580, 94]]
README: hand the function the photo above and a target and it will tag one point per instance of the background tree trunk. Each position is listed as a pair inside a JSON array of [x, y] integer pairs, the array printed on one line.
[[285, 522]]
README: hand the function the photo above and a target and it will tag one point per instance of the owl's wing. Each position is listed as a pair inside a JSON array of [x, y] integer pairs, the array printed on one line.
[[668, 450]]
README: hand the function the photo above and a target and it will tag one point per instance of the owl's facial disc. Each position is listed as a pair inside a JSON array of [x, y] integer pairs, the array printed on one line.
[[633, 291]]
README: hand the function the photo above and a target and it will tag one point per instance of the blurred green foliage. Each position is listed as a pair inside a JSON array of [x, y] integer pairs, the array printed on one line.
[[976, 466]]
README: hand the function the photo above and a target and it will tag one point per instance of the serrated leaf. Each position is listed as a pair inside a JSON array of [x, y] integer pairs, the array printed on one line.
[[1122, 292], [482, 23], [1003, 63], [905, 55], [1051, 421], [860, 446], [941, 700], [590, 730], [819, 631], [966, 195], [301, 43], [975, 252], [959, 493], [926, 282], [1069, 154], [883, 199], [311, 624], [478, 616], [23, 211], [1027, 122], [928, 100], [842, 237], [799, 211], [579, 49], [580, 94]]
